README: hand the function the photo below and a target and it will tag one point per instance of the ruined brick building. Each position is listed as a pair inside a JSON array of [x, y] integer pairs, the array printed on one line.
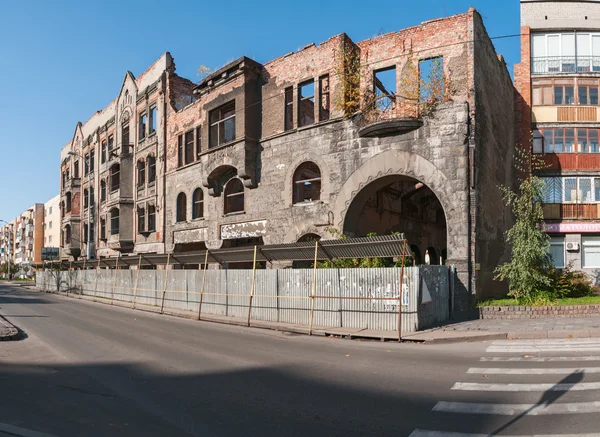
[[338, 137]]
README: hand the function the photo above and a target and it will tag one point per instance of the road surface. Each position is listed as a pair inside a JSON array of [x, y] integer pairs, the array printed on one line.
[[89, 369]]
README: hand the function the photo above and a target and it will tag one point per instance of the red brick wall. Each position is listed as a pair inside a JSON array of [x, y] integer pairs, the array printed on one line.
[[523, 92], [527, 312]]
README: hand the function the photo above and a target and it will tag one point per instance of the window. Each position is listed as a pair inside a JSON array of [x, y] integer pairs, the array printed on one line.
[[141, 173], [590, 252], [289, 109], [307, 183], [86, 198], [557, 251], [49, 210], [92, 160], [85, 230], [92, 200], [103, 153], [153, 119], [222, 125], [564, 95], [111, 143], [181, 207], [67, 234], [151, 218], [189, 147], [86, 166], [50, 225], [571, 190], [324, 98], [197, 204], [565, 52], [114, 221], [125, 138], [114, 177], [76, 169], [567, 141], [141, 212], [142, 126], [50, 239], [102, 190], [234, 196], [198, 143], [151, 169], [103, 228], [306, 103], [180, 151], [68, 201], [587, 94]]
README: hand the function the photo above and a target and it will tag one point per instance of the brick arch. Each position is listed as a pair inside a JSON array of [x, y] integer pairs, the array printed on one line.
[[383, 167]]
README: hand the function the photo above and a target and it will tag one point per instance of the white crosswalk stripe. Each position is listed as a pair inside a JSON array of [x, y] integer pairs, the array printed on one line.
[[543, 378]]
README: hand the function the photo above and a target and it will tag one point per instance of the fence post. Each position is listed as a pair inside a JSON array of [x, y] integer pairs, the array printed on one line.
[[96, 284], [83, 276], [112, 296], [252, 287], [137, 278], [400, 294], [162, 303], [70, 277], [314, 287], [202, 289]]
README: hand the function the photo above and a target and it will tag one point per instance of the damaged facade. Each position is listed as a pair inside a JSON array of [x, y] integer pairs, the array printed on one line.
[[330, 139]]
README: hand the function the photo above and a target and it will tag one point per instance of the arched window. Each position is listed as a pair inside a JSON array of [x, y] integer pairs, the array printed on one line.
[[114, 221], [67, 234], [151, 169], [102, 190], [307, 183], [181, 207], [114, 177], [141, 173], [197, 204], [68, 201], [234, 196]]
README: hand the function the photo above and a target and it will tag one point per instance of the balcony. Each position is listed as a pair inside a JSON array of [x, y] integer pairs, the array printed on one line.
[[387, 116], [571, 211], [71, 184], [553, 65], [571, 161]]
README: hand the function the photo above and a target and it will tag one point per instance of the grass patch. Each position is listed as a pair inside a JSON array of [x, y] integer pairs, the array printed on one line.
[[587, 300]]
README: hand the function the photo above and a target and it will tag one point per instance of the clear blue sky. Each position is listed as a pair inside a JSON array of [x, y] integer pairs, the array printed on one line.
[[62, 60]]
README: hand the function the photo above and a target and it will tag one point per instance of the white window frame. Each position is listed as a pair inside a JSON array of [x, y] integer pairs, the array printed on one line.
[[559, 241], [592, 241]]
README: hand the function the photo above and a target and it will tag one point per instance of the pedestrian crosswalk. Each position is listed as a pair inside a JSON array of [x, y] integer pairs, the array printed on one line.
[[531, 388]]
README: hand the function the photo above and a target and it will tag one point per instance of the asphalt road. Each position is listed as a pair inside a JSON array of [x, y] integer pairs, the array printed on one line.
[[88, 369]]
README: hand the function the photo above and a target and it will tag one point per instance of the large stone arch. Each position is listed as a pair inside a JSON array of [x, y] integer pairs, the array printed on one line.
[[380, 168]]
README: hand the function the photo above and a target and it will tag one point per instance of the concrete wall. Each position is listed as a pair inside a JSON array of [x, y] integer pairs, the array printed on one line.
[[560, 14]]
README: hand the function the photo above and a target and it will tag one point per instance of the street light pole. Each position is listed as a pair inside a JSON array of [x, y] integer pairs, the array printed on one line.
[[88, 250], [8, 253]]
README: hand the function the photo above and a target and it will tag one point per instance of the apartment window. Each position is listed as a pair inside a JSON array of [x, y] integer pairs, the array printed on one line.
[[181, 208], [564, 94], [151, 218], [114, 177], [590, 252], [103, 152], [198, 142], [567, 141], [557, 251], [289, 108], [102, 190], [197, 204], [153, 119], [565, 52], [92, 160], [50, 239], [142, 125], [141, 173], [222, 125], [103, 228], [141, 212], [324, 98], [180, 150], [234, 196], [306, 103], [50, 225], [189, 147], [584, 189], [114, 221], [587, 92], [125, 138], [542, 92], [307, 183]]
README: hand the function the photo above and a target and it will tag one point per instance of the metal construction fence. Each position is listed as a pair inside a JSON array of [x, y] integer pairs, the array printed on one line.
[[363, 298]]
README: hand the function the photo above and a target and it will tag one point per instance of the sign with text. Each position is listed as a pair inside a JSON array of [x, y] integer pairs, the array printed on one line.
[[50, 253], [572, 227], [256, 228]]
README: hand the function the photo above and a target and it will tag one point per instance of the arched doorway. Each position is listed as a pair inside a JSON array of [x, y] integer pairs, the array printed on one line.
[[397, 203]]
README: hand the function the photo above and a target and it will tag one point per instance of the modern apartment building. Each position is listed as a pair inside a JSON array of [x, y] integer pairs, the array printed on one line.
[[22, 239], [558, 116], [336, 137], [52, 222]]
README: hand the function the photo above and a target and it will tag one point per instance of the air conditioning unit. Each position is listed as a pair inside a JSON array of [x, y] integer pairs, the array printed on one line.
[[573, 247]]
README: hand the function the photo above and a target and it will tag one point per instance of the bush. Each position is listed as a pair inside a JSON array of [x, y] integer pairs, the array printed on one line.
[[568, 282]]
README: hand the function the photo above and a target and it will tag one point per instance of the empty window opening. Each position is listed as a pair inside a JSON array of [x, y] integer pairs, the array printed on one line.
[[289, 108], [103, 153], [86, 198], [142, 125], [189, 147], [234, 196], [114, 177], [103, 228], [306, 103], [307, 183], [431, 80], [102, 191], [198, 142], [222, 125], [324, 111], [141, 173], [181, 207], [153, 119], [385, 88], [179, 150], [141, 219], [125, 138], [198, 204], [114, 221], [151, 169], [151, 218], [68, 202]]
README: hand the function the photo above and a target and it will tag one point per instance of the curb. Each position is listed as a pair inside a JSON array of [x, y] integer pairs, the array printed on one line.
[[10, 332], [472, 338], [535, 335]]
